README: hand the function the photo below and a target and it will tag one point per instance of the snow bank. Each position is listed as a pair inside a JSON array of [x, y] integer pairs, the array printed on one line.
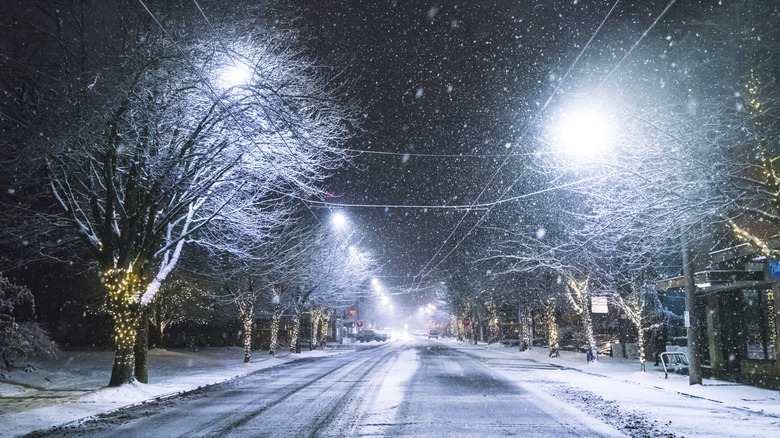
[[617, 387]]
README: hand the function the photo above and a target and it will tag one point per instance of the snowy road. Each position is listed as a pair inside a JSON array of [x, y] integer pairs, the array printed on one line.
[[416, 388]]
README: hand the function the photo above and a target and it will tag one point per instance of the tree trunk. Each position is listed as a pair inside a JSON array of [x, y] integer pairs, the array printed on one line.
[[324, 326], [587, 322], [527, 328], [247, 323], [640, 346], [552, 329], [123, 288], [163, 325], [474, 324], [315, 319], [694, 358], [142, 346], [295, 345], [275, 328]]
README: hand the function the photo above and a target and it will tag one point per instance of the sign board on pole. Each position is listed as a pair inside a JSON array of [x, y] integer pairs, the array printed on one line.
[[687, 318], [773, 270], [598, 305], [466, 322], [360, 323]]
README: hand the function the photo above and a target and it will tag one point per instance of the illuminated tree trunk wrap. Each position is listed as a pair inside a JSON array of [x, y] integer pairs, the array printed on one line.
[[315, 322], [578, 294], [296, 332], [640, 346], [294, 342], [324, 325], [275, 328], [587, 322], [524, 326], [246, 321], [124, 288]]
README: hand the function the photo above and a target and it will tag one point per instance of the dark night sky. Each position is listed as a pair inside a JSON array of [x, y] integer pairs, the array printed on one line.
[[451, 78]]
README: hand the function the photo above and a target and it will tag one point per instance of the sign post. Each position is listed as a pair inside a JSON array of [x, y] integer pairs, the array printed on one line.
[[466, 322]]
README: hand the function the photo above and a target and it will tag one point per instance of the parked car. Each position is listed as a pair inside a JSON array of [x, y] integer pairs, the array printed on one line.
[[433, 334], [371, 335]]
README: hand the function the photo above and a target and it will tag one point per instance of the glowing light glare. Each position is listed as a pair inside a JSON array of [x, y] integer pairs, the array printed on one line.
[[236, 75], [584, 132], [339, 220], [374, 282]]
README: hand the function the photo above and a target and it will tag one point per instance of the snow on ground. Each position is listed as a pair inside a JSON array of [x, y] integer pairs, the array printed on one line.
[[72, 387], [616, 391], [612, 390], [391, 394]]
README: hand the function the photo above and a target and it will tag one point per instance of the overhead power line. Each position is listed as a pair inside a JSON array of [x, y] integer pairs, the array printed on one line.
[[422, 274], [476, 207]]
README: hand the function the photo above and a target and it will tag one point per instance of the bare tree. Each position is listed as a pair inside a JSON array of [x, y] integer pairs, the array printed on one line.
[[164, 133]]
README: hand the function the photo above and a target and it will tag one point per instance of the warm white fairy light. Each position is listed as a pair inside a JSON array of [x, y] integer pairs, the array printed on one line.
[[124, 287]]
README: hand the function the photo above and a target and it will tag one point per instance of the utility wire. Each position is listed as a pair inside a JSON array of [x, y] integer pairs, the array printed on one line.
[[644, 34], [658, 18], [423, 155], [522, 135], [476, 207]]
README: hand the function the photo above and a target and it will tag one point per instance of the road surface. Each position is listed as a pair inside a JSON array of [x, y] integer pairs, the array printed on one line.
[[403, 388]]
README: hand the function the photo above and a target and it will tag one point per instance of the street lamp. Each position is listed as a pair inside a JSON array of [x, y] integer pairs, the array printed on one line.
[[582, 131], [339, 220], [235, 75]]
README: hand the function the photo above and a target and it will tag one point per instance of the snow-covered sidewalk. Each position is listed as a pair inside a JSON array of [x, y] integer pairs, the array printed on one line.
[[72, 387], [615, 387]]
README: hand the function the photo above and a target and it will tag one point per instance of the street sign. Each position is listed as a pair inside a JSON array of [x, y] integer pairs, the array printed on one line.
[[687, 318], [773, 270], [466, 322], [598, 305], [360, 323]]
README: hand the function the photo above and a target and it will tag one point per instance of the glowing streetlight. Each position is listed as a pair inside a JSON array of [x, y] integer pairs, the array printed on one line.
[[583, 132], [235, 75], [339, 220]]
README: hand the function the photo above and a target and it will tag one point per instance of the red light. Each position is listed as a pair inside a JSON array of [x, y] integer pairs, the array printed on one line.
[[351, 312]]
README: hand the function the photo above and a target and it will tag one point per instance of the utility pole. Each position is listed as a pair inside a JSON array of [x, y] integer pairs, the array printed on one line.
[[693, 323]]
